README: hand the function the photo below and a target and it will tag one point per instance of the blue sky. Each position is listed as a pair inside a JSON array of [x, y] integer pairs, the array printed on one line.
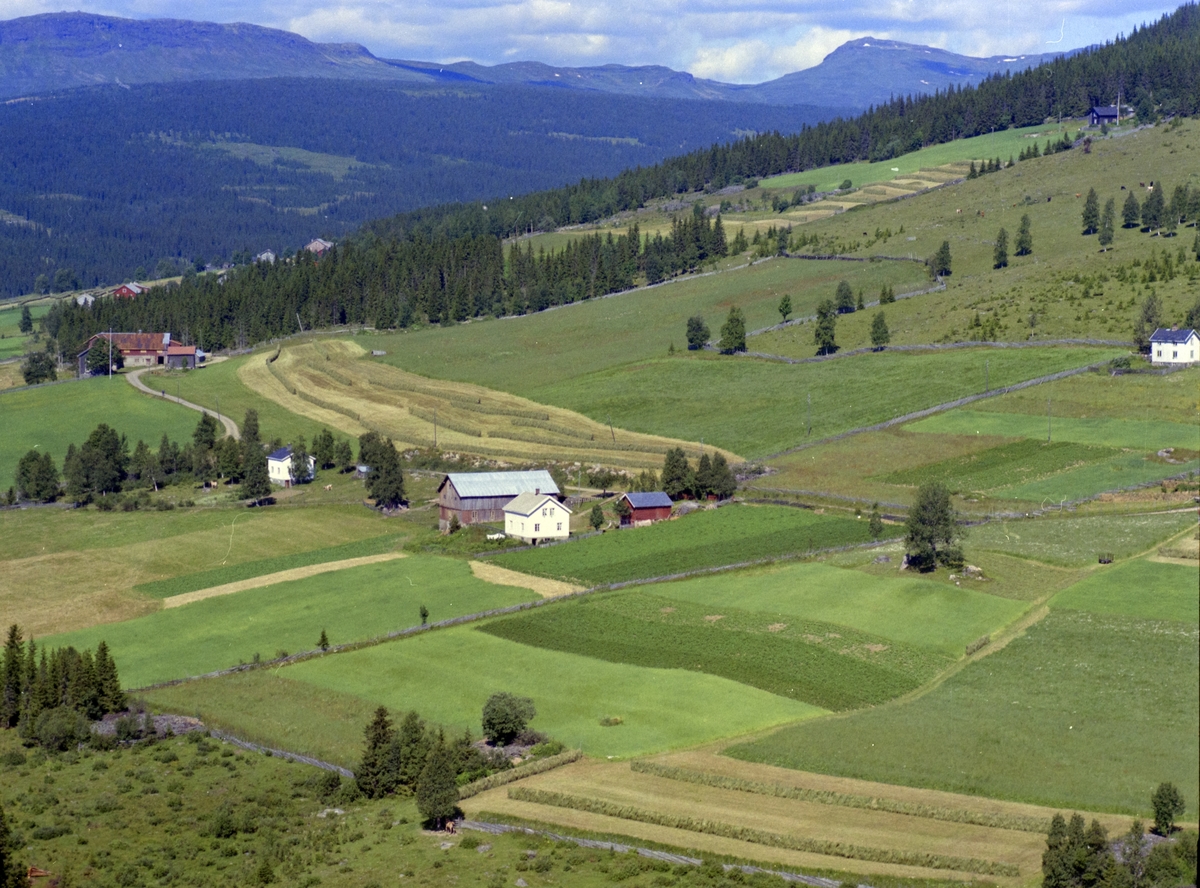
[[743, 41]]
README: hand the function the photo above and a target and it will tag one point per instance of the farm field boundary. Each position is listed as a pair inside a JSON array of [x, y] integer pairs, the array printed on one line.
[[501, 576], [762, 837], [283, 576]]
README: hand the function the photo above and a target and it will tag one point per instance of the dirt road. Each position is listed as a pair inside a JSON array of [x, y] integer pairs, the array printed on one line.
[[135, 380]]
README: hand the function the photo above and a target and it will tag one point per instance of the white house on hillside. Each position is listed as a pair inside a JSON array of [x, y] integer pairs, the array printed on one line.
[[1174, 346], [537, 516], [279, 466]]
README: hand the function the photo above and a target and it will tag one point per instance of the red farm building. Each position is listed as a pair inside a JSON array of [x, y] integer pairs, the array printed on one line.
[[646, 508]]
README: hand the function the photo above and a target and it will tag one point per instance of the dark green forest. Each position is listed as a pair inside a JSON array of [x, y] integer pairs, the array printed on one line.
[[1156, 69], [107, 180]]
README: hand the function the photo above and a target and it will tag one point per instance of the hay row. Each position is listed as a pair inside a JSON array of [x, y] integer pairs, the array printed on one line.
[[478, 406], [762, 837], [444, 422], [601, 444], [501, 778], [1020, 822], [555, 427]]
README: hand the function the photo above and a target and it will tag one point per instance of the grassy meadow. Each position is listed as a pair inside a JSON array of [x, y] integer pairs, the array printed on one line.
[[1146, 589], [1083, 710], [1077, 540], [756, 408], [709, 538], [354, 604], [66, 570], [13, 343], [58, 415], [448, 674], [936, 615], [823, 664]]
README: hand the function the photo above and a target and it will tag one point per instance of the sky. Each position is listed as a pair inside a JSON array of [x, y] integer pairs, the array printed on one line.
[[738, 41]]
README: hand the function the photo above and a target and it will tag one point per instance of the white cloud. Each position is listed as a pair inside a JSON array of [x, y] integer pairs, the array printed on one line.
[[734, 40]]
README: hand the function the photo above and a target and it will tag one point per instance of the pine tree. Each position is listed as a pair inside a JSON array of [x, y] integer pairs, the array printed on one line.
[[724, 482], [1154, 210], [1131, 213], [12, 679], [25, 324], [1091, 212], [1000, 253], [385, 481], [875, 524], [437, 789], [412, 749], [371, 774], [108, 682], [697, 333], [932, 528], [677, 479], [825, 328], [704, 477], [1024, 237], [887, 294], [785, 307], [880, 335], [844, 298], [1107, 220], [323, 641], [298, 467]]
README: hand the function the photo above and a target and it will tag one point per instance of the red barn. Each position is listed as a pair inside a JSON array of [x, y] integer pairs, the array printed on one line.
[[128, 291], [646, 508]]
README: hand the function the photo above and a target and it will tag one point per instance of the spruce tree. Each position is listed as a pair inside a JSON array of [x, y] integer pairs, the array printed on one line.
[[12, 677], [437, 788], [1000, 252], [704, 477], [932, 528], [1107, 219], [875, 524], [844, 297], [1154, 209], [1131, 213], [25, 324], [1091, 212], [385, 481], [371, 774], [724, 482], [941, 260], [323, 641], [823, 331], [108, 683], [1024, 237], [880, 335], [677, 479], [256, 481], [412, 746]]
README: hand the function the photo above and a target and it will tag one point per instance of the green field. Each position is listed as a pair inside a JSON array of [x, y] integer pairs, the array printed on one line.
[[729, 535], [1144, 435], [1127, 470], [523, 355], [12, 341], [818, 663], [58, 415], [447, 676], [1083, 711], [988, 147], [218, 576], [351, 605], [755, 407], [939, 616], [1008, 464], [1077, 541], [1141, 588]]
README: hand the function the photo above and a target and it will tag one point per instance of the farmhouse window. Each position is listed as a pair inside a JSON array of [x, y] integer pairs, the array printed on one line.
[[543, 513], [560, 525], [1174, 354], [537, 528]]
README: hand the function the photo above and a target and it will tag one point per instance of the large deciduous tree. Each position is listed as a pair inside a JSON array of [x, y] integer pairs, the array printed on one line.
[[733, 332], [505, 716], [932, 529], [37, 477]]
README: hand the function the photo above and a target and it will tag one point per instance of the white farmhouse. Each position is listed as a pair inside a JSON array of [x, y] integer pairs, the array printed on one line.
[[279, 466], [537, 516], [1174, 346]]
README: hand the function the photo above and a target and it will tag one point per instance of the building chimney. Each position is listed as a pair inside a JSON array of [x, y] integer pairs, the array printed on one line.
[[537, 491]]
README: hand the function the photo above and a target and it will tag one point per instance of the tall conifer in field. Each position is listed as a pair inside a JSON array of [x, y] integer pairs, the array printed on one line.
[[941, 260], [437, 789], [1131, 213], [256, 481], [13, 678], [1025, 236], [1091, 212], [826, 326], [1000, 252], [371, 774], [1107, 220], [880, 335]]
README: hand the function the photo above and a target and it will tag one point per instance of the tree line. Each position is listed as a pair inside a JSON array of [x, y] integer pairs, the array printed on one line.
[[44, 697]]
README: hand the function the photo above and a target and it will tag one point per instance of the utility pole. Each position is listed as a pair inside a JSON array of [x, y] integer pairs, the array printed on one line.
[[809, 432], [986, 386], [1047, 420]]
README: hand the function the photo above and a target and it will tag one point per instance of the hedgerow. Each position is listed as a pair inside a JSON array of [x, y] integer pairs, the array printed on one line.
[[537, 766]]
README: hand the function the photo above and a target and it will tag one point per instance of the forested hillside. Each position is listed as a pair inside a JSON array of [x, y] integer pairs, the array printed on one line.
[[97, 182], [1156, 69]]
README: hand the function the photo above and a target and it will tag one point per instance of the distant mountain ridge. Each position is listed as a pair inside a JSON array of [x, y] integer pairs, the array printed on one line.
[[55, 51]]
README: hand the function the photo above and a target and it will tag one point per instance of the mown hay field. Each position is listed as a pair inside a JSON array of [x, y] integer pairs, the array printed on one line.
[[936, 615], [447, 675], [708, 538], [1058, 717], [1077, 541], [351, 605], [1140, 588], [824, 664], [332, 383], [65, 570], [55, 416], [757, 407], [1136, 434]]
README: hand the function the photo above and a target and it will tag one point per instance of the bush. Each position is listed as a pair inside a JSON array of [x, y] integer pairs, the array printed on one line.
[[505, 716], [60, 728], [1168, 804]]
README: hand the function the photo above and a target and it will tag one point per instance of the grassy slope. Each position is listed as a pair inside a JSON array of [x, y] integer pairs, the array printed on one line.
[[757, 407], [58, 415], [447, 676], [1050, 281], [728, 535], [12, 341], [580, 339], [1061, 716], [351, 605], [937, 615]]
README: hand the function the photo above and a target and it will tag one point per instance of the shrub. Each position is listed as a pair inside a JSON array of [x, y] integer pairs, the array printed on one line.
[[60, 728], [505, 716], [1168, 804]]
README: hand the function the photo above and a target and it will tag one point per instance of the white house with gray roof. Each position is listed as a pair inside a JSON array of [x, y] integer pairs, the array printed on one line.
[[536, 517], [1174, 346], [480, 497]]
